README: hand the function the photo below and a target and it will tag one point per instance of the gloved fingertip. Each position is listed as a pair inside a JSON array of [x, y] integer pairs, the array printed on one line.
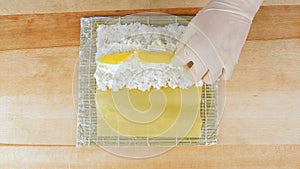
[[177, 60], [212, 76], [195, 74], [179, 47], [227, 73]]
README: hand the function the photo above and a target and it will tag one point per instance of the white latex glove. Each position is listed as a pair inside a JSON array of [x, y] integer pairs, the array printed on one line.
[[215, 37]]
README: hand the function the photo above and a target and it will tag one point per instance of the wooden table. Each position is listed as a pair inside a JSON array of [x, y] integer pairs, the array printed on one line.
[[39, 45]]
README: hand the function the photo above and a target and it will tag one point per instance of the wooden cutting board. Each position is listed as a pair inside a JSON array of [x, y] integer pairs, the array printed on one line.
[[39, 45]]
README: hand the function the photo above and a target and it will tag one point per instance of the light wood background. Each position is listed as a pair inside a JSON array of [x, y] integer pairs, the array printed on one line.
[[39, 45]]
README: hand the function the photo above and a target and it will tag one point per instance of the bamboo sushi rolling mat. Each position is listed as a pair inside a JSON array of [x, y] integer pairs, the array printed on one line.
[[39, 45]]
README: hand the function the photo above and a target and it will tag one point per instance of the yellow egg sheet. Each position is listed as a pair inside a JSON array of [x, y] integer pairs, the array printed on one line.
[[156, 113]]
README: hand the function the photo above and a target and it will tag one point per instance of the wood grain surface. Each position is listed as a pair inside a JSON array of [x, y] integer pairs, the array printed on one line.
[[59, 6], [39, 47], [225, 157], [62, 29]]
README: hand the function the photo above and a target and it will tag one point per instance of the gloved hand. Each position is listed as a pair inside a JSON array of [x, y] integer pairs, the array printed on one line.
[[214, 38]]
